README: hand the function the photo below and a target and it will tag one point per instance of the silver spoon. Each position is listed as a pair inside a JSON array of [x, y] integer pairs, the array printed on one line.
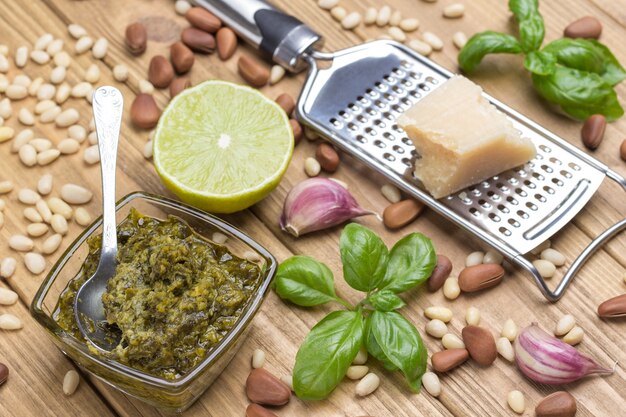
[[88, 308]]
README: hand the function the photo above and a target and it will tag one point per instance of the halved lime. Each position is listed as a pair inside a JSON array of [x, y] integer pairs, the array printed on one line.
[[222, 147]]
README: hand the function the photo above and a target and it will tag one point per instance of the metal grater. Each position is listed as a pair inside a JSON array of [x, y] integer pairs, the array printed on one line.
[[354, 96]]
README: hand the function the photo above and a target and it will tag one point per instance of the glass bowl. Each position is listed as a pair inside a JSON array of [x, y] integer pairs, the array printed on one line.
[[171, 395]]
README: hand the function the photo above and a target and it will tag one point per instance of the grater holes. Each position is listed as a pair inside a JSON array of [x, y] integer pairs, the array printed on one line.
[[474, 212], [431, 80], [413, 152], [574, 166], [388, 78], [373, 94], [406, 83], [388, 136], [512, 200], [380, 86], [397, 108], [389, 97], [361, 139], [361, 119], [566, 174], [522, 172], [399, 149], [514, 223], [547, 169], [405, 64], [522, 214], [370, 131], [407, 162], [423, 86], [530, 184], [494, 217], [397, 71], [371, 111], [532, 206], [502, 187], [388, 116], [406, 102], [521, 192], [494, 196], [414, 75], [475, 191], [557, 182], [397, 128], [379, 143], [344, 115], [505, 231], [463, 197], [548, 189], [538, 176], [353, 127], [538, 157], [389, 157], [545, 148], [398, 90], [540, 198], [484, 204], [504, 209], [415, 94], [354, 108], [380, 124], [380, 104], [555, 161]]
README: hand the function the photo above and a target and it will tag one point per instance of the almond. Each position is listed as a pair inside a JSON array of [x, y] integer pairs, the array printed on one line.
[[479, 277], [480, 344], [297, 130], [448, 359], [255, 410], [264, 388], [160, 71], [253, 72], [327, 156], [178, 85], [136, 38], [558, 404], [182, 57], [585, 27], [144, 112], [615, 307], [203, 19], [440, 273], [401, 213], [592, 131], [198, 41], [226, 43]]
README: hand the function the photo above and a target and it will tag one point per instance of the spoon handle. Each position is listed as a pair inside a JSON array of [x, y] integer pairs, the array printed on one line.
[[107, 110]]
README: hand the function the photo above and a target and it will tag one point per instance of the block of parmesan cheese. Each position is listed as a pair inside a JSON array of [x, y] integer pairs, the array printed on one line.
[[462, 138]]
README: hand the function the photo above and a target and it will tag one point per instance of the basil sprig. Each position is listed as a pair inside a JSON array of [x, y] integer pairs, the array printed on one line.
[[368, 266], [576, 74]]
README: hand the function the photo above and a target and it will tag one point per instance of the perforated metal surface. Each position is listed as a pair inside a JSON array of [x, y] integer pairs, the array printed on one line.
[[355, 103]]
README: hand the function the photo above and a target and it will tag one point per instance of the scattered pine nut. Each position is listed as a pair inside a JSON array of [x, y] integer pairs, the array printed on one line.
[[44, 211], [312, 167], [384, 14], [82, 217], [68, 146], [493, 257], [367, 385], [70, 382], [148, 149], [10, 322], [436, 328], [370, 16], [28, 196], [6, 133], [58, 206], [77, 132], [327, 4], [437, 312], [431, 383], [574, 336], [356, 372], [34, 262], [545, 268], [338, 13], [433, 40], [62, 59], [420, 47], [409, 25], [32, 215], [451, 341], [505, 349], [351, 21], [75, 194], [59, 224], [391, 193], [76, 31], [21, 56], [219, 238], [454, 11], [7, 267], [459, 39], [83, 45], [509, 330], [258, 358], [474, 258], [51, 244], [7, 297], [553, 256], [565, 324], [516, 402], [47, 157], [181, 7], [397, 34], [100, 47], [145, 87], [451, 289], [37, 229], [40, 57], [92, 75], [120, 71], [395, 18], [28, 155]]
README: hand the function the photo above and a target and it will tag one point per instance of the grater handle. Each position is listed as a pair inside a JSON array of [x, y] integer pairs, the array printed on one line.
[[283, 37]]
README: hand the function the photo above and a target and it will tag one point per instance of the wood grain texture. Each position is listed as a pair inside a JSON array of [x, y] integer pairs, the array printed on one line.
[[470, 390]]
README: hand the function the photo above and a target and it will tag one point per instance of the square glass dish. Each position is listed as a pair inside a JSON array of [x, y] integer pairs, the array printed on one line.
[[170, 395]]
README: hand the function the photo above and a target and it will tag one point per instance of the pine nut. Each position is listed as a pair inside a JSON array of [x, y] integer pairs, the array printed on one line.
[[68, 146], [451, 341], [59, 224], [251, 256], [67, 118], [62, 59], [83, 45], [258, 358], [120, 72], [493, 257], [77, 132], [370, 16], [361, 357], [431, 383], [391, 193], [10, 322], [554, 256], [28, 196], [63, 93], [1, 219], [4, 64], [509, 330], [312, 167], [99, 49], [409, 25], [384, 14], [436, 328], [34, 262], [574, 336], [543, 246], [91, 155], [454, 11], [433, 40], [145, 87], [474, 258], [50, 115], [16, 92], [92, 138], [7, 297], [436, 312], [459, 39], [21, 56], [395, 18], [37, 229], [564, 325], [6, 110], [32, 215], [351, 21], [516, 402], [367, 385], [57, 75], [147, 150], [44, 211], [82, 217], [92, 75], [219, 238], [51, 244], [22, 79], [40, 57], [420, 47], [75, 194], [25, 117], [356, 372], [58, 206], [546, 269], [55, 47], [181, 7], [397, 34], [34, 86], [43, 41], [276, 74], [46, 92], [7, 267], [6, 133], [327, 4], [338, 13], [76, 31], [44, 185], [3, 204], [505, 349], [21, 139], [47, 157], [70, 382], [43, 106], [28, 155], [4, 83], [451, 289]]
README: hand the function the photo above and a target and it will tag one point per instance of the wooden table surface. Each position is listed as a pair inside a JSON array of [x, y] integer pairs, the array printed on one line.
[[37, 367]]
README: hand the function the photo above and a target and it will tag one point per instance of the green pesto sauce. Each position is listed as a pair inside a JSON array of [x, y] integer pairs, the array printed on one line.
[[174, 295]]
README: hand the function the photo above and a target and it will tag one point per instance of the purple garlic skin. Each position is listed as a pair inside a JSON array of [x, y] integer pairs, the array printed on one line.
[[316, 204], [548, 360]]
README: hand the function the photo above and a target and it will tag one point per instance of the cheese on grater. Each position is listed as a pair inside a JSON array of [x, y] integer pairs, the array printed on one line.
[[462, 138]]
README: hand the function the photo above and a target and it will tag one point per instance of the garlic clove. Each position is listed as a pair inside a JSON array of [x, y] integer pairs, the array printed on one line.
[[316, 204]]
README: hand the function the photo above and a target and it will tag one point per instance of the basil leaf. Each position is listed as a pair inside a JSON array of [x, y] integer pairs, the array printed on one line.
[[411, 262], [304, 281], [540, 62], [484, 43], [326, 353], [401, 344], [580, 94], [364, 257], [614, 73], [385, 300], [523, 9], [531, 33], [577, 53], [373, 348]]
